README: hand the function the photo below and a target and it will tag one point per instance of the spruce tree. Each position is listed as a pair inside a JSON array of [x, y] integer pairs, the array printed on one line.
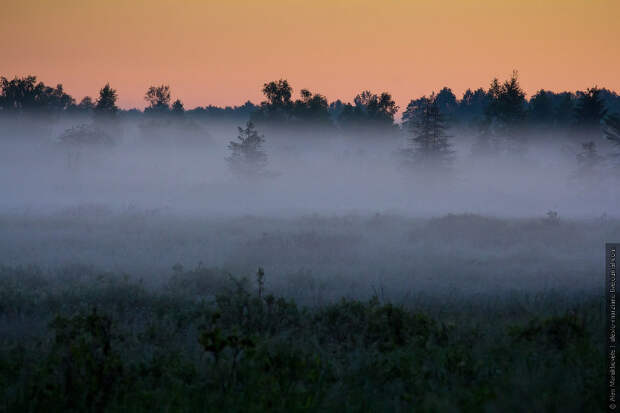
[[430, 148], [247, 158]]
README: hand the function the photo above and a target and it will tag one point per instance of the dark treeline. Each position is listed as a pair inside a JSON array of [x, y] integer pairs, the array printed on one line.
[[500, 117], [503, 104]]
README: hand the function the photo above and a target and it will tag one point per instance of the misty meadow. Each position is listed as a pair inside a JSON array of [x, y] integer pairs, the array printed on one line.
[[306, 254]]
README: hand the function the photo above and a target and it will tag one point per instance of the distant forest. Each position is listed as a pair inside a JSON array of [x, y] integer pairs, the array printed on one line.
[[502, 102], [502, 110]]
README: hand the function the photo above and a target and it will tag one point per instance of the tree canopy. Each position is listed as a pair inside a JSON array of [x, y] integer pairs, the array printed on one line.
[[507, 104], [589, 111], [26, 95], [158, 98], [429, 146], [106, 103]]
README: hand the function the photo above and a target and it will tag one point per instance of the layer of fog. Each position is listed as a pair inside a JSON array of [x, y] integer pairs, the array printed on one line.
[[313, 173], [317, 258]]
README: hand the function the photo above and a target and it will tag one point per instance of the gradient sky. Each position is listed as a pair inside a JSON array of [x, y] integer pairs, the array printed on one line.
[[221, 52]]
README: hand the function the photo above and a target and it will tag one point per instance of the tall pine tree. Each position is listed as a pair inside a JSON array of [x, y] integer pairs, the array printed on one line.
[[429, 146]]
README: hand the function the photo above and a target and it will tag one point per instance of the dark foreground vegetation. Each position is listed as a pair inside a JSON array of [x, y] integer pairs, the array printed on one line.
[[472, 314], [80, 340]]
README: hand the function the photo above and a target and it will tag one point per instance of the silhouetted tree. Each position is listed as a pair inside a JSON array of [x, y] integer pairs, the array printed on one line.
[[370, 114], [86, 104], [20, 93], [158, 98], [380, 108], [447, 103], [106, 103], [55, 99], [564, 109], [311, 109], [177, 108], [278, 93], [506, 108], [541, 112], [471, 108], [27, 95], [429, 146], [335, 110], [278, 105], [247, 158], [498, 113], [413, 112]]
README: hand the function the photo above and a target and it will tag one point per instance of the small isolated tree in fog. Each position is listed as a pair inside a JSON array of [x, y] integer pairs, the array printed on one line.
[[430, 148], [247, 157]]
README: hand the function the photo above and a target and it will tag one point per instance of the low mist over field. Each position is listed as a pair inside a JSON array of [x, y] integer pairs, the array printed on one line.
[[484, 192], [325, 174], [319, 258]]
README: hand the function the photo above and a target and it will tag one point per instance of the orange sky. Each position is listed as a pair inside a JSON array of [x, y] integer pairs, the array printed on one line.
[[221, 52]]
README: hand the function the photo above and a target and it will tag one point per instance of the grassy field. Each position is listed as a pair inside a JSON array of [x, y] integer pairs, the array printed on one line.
[[103, 311]]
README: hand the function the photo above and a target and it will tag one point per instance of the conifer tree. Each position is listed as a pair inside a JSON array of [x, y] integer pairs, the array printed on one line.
[[429, 143], [247, 157]]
